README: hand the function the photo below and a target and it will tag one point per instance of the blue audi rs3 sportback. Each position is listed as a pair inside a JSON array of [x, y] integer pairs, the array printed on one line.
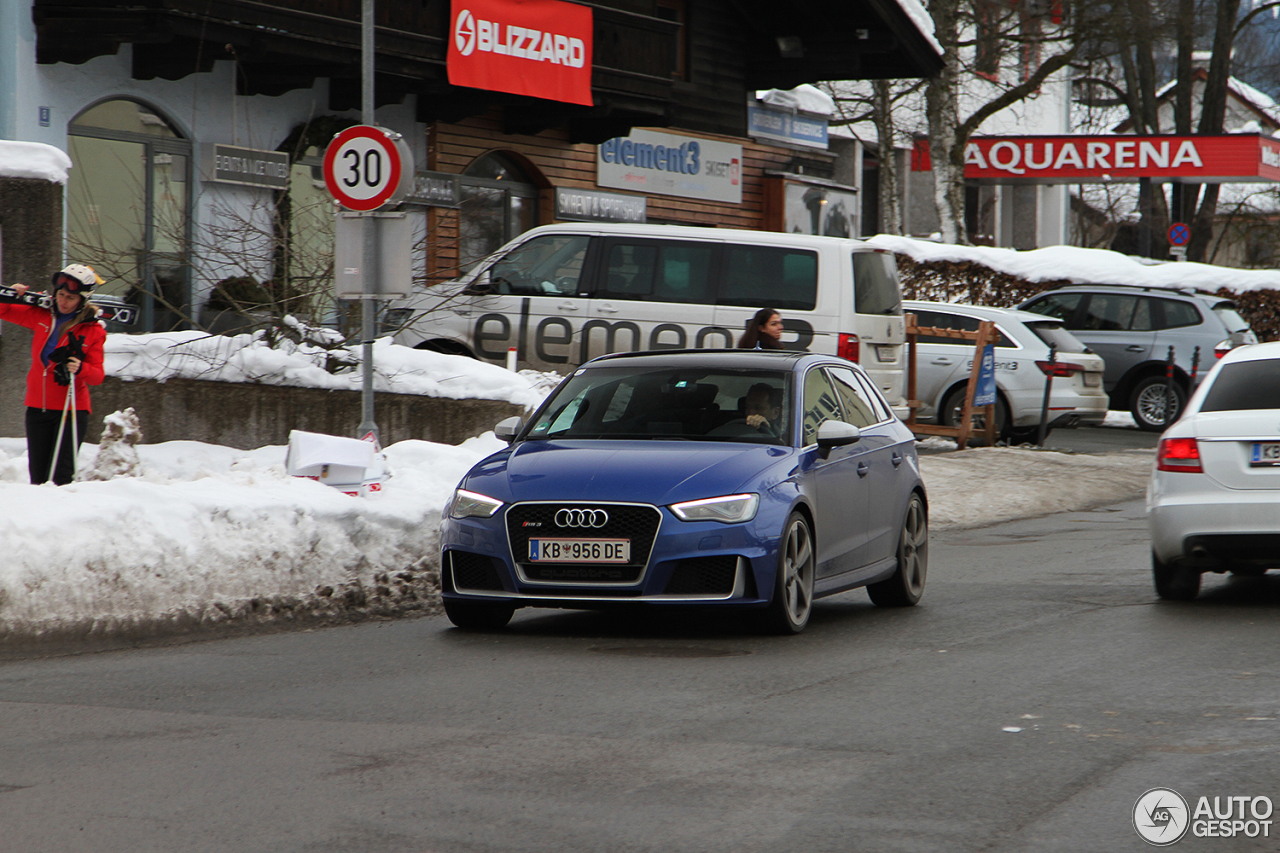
[[737, 478]]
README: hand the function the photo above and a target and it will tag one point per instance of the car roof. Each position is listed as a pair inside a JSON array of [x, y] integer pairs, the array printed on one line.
[[1172, 290], [736, 359], [985, 312], [702, 232]]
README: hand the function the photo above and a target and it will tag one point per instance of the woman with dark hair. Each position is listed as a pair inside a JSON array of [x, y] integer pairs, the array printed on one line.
[[763, 332], [66, 358]]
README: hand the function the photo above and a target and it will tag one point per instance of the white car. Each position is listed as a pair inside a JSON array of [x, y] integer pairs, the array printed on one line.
[[1213, 502], [1022, 364]]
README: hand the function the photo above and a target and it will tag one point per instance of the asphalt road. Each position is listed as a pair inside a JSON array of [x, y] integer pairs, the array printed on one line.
[[1033, 696]]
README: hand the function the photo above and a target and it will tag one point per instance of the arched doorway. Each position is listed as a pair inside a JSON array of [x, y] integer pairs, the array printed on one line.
[[129, 208], [499, 202]]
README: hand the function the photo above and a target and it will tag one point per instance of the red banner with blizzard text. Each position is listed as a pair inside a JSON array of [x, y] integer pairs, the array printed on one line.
[[1093, 159], [539, 48]]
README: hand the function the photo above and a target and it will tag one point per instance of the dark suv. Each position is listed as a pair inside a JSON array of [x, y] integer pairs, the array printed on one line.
[[1132, 329]]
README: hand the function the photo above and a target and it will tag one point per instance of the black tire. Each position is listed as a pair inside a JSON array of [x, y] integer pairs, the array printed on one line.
[[1148, 401], [1174, 582], [906, 586], [788, 612], [954, 404], [1026, 435], [478, 615], [446, 347]]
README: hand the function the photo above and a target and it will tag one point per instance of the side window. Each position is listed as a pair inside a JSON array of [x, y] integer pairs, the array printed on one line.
[[875, 283], [1109, 312], [656, 271], [1060, 305], [858, 410], [784, 279], [550, 265], [1142, 321], [820, 404], [872, 395], [1178, 314], [943, 320]]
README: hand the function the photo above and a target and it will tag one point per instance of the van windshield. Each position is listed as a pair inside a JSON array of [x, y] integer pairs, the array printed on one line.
[[875, 283], [662, 404]]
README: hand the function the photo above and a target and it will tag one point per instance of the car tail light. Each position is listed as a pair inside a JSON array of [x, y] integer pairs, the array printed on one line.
[[1222, 348], [848, 347], [1179, 454], [1059, 368]]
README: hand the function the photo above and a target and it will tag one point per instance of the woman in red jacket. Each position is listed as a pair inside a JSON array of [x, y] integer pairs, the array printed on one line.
[[66, 348]]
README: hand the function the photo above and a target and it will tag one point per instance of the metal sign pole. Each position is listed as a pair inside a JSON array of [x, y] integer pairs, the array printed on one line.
[[369, 304]]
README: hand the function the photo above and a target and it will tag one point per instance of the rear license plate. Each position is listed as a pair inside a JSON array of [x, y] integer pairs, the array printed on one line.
[[579, 550], [1265, 454], [886, 352], [1093, 380]]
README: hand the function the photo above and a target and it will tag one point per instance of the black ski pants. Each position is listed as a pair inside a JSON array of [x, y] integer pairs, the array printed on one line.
[[42, 435]]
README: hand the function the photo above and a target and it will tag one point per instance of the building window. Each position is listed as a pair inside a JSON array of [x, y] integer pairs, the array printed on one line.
[[499, 202], [129, 208]]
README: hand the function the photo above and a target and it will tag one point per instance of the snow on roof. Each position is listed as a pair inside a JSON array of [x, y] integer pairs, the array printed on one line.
[[804, 98], [1085, 266], [919, 16], [33, 160]]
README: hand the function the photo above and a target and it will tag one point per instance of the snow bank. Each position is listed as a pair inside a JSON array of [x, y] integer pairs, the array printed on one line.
[[33, 160], [1086, 266]]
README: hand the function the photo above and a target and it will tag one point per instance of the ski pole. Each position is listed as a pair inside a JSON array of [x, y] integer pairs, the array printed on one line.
[[57, 445], [75, 439]]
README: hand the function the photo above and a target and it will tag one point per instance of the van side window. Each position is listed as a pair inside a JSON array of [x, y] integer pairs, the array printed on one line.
[[658, 271], [755, 276], [543, 266], [875, 283]]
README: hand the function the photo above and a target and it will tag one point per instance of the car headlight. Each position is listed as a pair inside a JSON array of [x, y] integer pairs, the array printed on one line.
[[730, 509], [473, 505]]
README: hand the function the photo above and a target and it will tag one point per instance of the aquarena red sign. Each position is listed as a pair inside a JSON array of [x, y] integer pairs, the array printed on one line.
[[539, 48], [1094, 159]]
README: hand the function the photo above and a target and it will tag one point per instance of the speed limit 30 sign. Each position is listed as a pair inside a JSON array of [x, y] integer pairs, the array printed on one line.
[[367, 167]]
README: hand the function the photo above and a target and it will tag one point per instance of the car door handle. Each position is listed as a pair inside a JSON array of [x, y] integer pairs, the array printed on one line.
[[896, 459], [607, 309], [1135, 348], [462, 312], [568, 306], [862, 469], [942, 360]]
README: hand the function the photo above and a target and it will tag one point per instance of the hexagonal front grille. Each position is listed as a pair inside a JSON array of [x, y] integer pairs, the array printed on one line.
[[636, 522]]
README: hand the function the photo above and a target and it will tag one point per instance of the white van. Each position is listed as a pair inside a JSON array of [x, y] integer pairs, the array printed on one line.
[[563, 294]]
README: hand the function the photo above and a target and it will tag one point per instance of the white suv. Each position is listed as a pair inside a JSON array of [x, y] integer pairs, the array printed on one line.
[[1022, 364]]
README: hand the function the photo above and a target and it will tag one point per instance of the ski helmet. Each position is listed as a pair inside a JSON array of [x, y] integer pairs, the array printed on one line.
[[77, 278]]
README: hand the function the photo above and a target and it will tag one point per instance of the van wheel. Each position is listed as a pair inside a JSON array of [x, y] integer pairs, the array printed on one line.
[[1149, 400], [954, 405]]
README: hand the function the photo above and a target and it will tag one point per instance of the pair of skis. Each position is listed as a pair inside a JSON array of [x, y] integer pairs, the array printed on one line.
[[110, 307]]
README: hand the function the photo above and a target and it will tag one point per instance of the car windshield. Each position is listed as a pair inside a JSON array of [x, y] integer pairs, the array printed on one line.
[[685, 404], [1245, 385], [1055, 334]]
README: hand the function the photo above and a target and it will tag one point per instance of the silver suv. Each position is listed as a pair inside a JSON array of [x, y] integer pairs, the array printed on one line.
[[1132, 328]]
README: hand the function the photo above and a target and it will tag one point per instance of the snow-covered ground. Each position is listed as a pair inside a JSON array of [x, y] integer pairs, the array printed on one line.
[[203, 534]]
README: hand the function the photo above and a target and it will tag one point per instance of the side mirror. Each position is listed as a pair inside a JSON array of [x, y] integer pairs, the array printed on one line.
[[508, 429], [836, 434]]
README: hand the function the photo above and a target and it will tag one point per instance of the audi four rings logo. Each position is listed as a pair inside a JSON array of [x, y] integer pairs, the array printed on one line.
[[582, 518]]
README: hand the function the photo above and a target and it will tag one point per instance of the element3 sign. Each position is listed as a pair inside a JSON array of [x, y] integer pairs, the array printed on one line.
[[368, 167]]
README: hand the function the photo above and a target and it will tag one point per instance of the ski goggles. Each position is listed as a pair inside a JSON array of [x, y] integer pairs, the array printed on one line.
[[70, 284]]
